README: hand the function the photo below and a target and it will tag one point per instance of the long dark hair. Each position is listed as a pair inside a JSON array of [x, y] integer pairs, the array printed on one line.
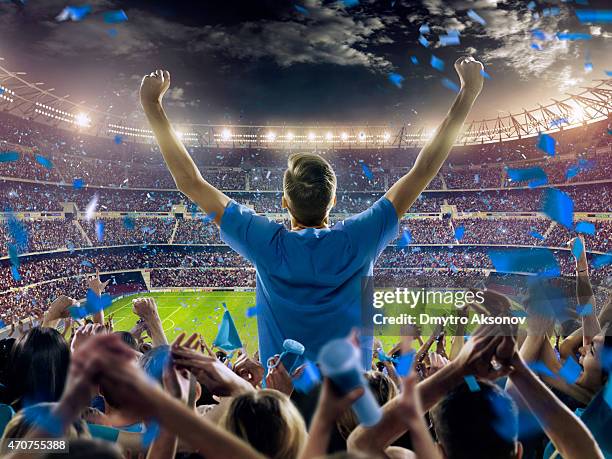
[[39, 366]]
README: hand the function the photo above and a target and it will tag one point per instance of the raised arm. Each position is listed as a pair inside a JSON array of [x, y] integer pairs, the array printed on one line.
[[184, 171], [584, 293], [406, 190], [569, 435]]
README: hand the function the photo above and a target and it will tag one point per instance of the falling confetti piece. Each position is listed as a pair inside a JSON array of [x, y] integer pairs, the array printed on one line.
[[396, 79], [115, 17], [474, 16], [558, 206], [437, 63], [450, 85]]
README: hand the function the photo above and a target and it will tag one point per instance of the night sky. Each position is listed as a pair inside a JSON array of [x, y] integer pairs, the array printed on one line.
[[275, 62]]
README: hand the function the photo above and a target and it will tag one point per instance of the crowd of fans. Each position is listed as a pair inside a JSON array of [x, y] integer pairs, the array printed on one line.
[[111, 394]]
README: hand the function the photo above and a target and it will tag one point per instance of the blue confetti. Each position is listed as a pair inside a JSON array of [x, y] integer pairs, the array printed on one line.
[[546, 143], [573, 36], [553, 11], [602, 260], [608, 72], [423, 41], [541, 368], [414, 60], [350, 3], [577, 248], [594, 16], [485, 74], [74, 13], [536, 46], [475, 17], [208, 217], [252, 311], [424, 29], [43, 161], [115, 17], [396, 79], [536, 235], [449, 40], [100, 230], [558, 206], [366, 171], [459, 232], [584, 309], [585, 228], [308, 378], [77, 183], [15, 273], [9, 156], [588, 67], [43, 418], [302, 10], [86, 263], [449, 84], [558, 122], [227, 337], [608, 393], [530, 174], [539, 35], [472, 383], [150, 434], [118, 139], [437, 63], [95, 303], [570, 371], [538, 261], [405, 239], [404, 364], [531, 5]]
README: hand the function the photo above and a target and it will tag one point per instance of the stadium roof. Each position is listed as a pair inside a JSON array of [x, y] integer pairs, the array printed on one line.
[[29, 100]]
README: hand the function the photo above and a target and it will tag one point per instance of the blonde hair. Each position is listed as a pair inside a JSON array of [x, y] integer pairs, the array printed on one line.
[[383, 388], [268, 421]]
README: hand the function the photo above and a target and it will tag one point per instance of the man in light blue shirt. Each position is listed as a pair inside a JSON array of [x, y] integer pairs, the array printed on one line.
[[309, 278]]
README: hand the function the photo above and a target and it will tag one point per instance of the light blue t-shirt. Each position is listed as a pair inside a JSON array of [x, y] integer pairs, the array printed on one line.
[[309, 281]]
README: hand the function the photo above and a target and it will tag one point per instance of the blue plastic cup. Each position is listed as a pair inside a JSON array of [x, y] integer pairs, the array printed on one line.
[[340, 361]]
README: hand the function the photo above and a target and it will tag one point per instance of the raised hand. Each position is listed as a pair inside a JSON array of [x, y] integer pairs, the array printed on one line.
[[250, 370], [209, 372], [581, 261], [470, 74], [58, 309], [278, 378], [95, 284], [84, 332], [153, 87]]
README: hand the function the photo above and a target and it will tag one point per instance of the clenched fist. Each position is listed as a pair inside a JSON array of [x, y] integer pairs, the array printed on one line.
[[470, 74], [153, 87]]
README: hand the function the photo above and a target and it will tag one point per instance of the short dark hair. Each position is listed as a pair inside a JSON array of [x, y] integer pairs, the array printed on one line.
[[481, 424], [310, 185], [128, 339]]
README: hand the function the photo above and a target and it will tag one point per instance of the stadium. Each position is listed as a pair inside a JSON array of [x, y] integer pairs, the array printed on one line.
[[203, 287], [155, 240]]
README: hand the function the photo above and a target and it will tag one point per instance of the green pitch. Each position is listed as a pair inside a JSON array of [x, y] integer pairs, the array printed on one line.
[[201, 312], [191, 312]]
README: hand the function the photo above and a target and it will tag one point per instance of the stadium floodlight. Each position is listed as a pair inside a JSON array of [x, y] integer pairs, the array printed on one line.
[[362, 136], [271, 136], [311, 136], [386, 136], [179, 134], [289, 136], [226, 134], [81, 119], [329, 136], [344, 136]]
